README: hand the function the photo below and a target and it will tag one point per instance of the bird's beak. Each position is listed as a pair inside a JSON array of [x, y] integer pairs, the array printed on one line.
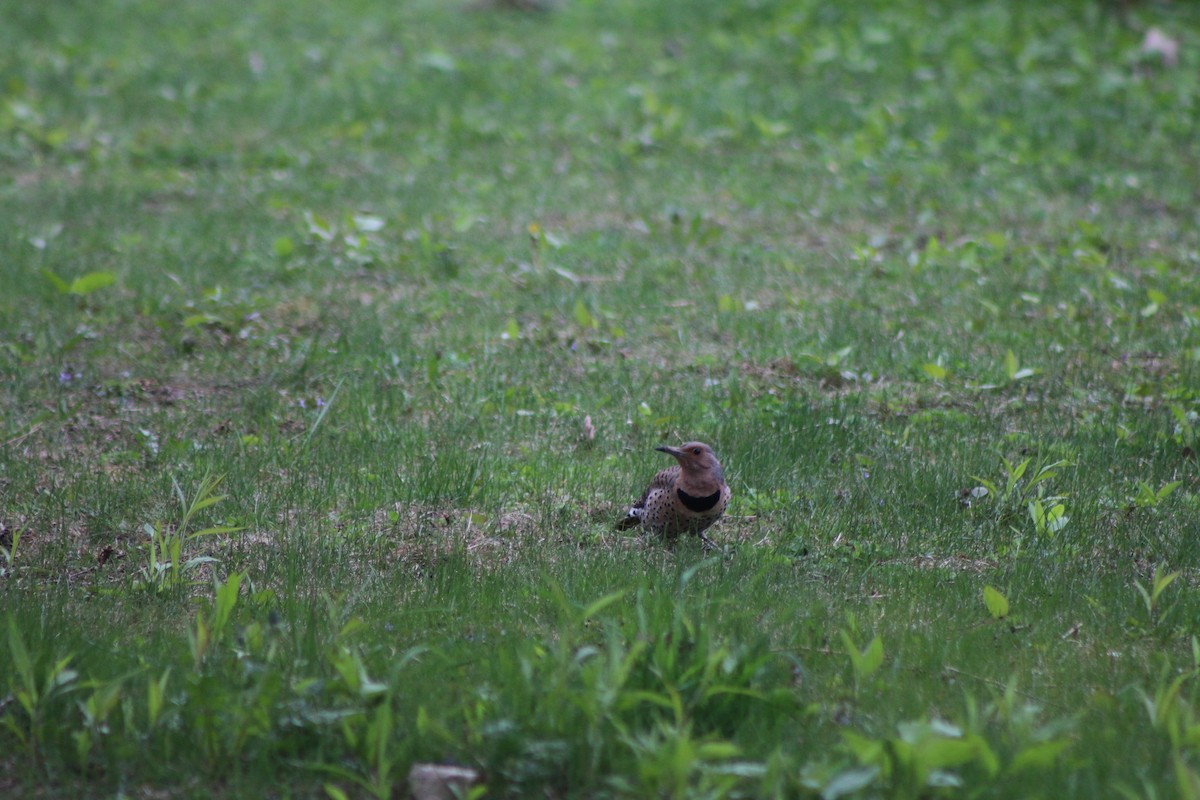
[[672, 451]]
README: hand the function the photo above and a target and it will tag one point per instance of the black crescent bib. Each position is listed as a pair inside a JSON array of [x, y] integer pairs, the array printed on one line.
[[699, 504]]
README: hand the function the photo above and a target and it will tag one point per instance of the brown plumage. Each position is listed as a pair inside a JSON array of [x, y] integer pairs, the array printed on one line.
[[685, 498]]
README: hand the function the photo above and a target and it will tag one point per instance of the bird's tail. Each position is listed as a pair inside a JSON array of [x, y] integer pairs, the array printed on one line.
[[630, 520]]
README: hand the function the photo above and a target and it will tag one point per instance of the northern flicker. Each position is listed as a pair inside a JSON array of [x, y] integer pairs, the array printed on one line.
[[685, 498]]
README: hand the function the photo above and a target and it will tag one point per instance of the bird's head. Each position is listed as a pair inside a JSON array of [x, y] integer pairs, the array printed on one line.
[[696, 459]]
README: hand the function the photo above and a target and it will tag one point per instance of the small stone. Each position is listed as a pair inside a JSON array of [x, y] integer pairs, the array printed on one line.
[[440, 781]]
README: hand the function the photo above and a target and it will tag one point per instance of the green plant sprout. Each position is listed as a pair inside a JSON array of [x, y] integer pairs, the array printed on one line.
[[166, 567], [1152, 595]]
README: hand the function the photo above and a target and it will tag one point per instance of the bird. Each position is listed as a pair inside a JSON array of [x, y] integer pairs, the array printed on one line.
[[685, 498]]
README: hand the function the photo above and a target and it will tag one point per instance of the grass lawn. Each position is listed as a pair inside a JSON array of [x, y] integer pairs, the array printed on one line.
[[337, 337]]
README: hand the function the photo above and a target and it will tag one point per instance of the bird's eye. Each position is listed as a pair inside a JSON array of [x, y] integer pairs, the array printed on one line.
[[695, 451]]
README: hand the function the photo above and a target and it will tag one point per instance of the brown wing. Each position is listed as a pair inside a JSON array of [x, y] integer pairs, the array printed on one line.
[[663, 480]]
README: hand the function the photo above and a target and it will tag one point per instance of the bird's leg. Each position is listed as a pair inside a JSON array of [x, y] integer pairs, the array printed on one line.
[[707, 543]]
